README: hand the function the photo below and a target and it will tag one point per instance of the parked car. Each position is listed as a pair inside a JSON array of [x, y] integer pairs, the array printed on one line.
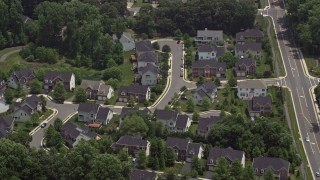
[[184, 97], [43, 125], [181, 74], [307, 139], [318, 174], [178, 42]]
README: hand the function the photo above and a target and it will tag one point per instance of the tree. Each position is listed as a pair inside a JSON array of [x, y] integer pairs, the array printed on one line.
[[21, 137], [221, 171], [131, 102], [190, 105], [170, 157], [166, 49], [80, 95], [248, 173], [236, 170], [8, 95], [142, 160], [57, 124], [195, 116], [268, 175], [113, 72], [123, 155], [217, 81], [200, 81], [206, 104], [59, 92], [196, 165], [43, 103], [134, 125], [229, 59], [35, 87], [156, 45], [53, 138], [232, 82], [35, 118], [171, 174]]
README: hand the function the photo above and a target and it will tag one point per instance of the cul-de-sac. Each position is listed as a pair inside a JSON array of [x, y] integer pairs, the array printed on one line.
[[159, 89]]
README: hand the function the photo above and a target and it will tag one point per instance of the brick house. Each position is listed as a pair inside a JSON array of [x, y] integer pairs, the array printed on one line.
[[261, 105], [229, 154], [249, 35], [244, 67], [21, 78], [140, 93], [132, 144], [280, 167], [209, 68], [51, 79]]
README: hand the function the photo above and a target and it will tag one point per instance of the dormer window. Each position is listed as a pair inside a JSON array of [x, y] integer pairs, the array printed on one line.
[[211, 161], [256, 170], [46, 81], [191, 152], [262, 171]]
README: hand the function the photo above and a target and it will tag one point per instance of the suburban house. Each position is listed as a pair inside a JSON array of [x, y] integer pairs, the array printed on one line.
[[6, 125], [208, 68], [244, 67], [261, 105], [280, 167], [146, 58], [24, 110], [3, 86], [140, 93], [245, 50], [51, 79], [208, 52], [97, 90], [206, 90], [249, 35], [205, 36], [205, 124], [127, 111], [143, 46], [229, 154], [73, 134], [248, 89], [21, 78], [148, 75], [174, 121], [132, 144], [184, 148], [126, 40], [137, 174], [94, 114]]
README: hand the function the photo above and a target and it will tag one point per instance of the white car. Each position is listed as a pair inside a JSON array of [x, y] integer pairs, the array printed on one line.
[[318, 174], [307, 139]]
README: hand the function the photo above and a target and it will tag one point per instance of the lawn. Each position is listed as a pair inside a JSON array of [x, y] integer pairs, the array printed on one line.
[[126, 69], [193, 129], [177, 168], [28, 126], [45, 115], [4, 51], [313, 66], [264, 3], [140, 3], [12, 59]]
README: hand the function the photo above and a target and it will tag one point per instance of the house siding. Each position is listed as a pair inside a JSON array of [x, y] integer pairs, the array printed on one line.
[[248, 93]]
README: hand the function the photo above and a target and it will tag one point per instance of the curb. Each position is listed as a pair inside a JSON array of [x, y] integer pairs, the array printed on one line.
[[69, 117], [55, 112]]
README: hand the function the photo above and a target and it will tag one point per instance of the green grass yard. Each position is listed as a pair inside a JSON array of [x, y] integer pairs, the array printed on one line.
[[4, 51]]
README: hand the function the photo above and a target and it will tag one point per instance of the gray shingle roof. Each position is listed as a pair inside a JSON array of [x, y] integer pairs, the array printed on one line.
[[5, 124], [261, 100], [87, 107], [137, 174], [23, 73], [144, 46], [134, 89], [193, 149], [179, 143], [132, 141], [202, 93], [249, 33], [210, 33], [206, 122], [149, 67], [228, 153], [209, 86], [26, 109], [270, 162], [32, 101], [205, 48], [149, 56], [127, 111], [252, 83], [166, 114], [72, 130], [94, 85], [102, 114], [64, 76], [125, 37], [245, 61], [210, 63], [182, 121], [253, 46]]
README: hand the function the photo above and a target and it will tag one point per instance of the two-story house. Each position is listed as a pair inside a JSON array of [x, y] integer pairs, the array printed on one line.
[[205, 124], [21, 78], [143, 46], [126, 40], [208, 68], [72, 134], [206, 90], [24, 110], [137, 174], [97, 90], [205, 36], [184, 148], [148, 75], [6, 125], [244, 67], [261, 105], [229, 154], [247, 49], [140, 93], [3, 86], [146, 58], [127, 111], [132, 145], [280, 167], [174, 121], [248, 89], [51, 79], [249, 35], [94, 114], [208, 52]]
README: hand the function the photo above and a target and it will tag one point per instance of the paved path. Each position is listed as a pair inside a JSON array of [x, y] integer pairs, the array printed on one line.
[[5, 56]]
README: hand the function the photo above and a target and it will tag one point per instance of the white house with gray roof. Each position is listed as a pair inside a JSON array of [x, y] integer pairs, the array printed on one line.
[[67, 78], [21, 78], [244, 50], [25, 109], [149, 74], [94, 114], [251, 88], [229, 154], [206, 90], [174, 121], [208, 52], [126, 40], [132, 144], [205, 36], [97, 90]]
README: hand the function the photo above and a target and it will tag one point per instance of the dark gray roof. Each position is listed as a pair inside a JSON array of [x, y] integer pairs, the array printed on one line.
[[132, 141], [87, 107], [137, 174], [209, 85], [253, 46], [149, 67], [178, 143], [5, 124], [134, 89], [102, 114], [182, 121], [193, 149], [94, 85], [220, 51], [205, 48], [63, 76], [206, 89], [210, 33], [166, 114], [261, 100], [228, 153], [144, 46], [245, 61], [127, 111], [249, 33], [23, 73], [32, 101], [270, 162], [202, 93], [26, 109], [210, 63], [149, 56], [72, 130], [206, 122], [125, 37]]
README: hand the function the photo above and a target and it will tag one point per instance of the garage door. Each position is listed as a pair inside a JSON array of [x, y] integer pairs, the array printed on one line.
[[124, 99], [99, 98], [104, 98], [120, 99], [188, 159]]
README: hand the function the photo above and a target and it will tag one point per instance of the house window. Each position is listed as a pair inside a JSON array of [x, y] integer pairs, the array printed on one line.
[[262, 171], [147, 76], [263, 89], [212, 54], [252, 89], [92, 115], [211, 161], [257, 170]]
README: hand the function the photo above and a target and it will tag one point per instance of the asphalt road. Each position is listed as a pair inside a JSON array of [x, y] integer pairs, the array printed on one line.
[[64, 110], [299, 83]]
